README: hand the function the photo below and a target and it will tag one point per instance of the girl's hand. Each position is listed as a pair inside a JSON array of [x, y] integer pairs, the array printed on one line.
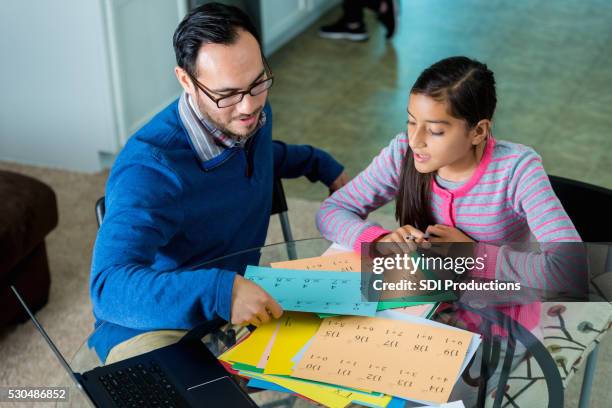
[[446, 233], [408, 237], [339, 182]]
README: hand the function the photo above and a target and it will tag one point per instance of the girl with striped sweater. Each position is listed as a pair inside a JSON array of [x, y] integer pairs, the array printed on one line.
[[454, 182]]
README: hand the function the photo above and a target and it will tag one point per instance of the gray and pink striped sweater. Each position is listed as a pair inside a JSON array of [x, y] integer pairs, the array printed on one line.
[[508, 198]]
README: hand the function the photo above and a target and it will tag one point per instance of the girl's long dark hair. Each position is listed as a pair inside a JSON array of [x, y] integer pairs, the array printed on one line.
[[468, 87]]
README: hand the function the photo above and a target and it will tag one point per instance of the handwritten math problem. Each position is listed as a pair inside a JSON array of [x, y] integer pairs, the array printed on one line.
[[343, 262], [410, 360], [313, 291]]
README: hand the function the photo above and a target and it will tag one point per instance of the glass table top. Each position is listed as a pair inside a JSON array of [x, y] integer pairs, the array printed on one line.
[[495, 351]]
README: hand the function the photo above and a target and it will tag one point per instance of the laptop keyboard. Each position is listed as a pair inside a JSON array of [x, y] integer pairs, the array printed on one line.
[[142, 386]]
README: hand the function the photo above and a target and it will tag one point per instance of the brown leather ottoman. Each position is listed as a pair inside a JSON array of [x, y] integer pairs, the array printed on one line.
[[28, 212]]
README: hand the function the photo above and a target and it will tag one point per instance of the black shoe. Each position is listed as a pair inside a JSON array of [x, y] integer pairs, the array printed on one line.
[[340, 31], [389, 17]]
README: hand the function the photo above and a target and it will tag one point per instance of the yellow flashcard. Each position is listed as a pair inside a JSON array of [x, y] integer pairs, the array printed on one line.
[[327, 395], [294, 332], [250, 351]]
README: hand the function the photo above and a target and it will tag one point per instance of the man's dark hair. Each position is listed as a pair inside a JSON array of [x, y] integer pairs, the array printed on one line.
[[212, 23]]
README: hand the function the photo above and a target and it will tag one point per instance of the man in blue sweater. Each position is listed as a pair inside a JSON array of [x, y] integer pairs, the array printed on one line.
[[192, 185]]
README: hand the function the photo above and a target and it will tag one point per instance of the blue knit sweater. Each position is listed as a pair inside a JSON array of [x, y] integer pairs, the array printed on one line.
[[166, 211]]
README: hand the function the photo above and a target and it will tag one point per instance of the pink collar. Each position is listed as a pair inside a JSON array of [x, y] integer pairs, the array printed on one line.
[[485, 160]]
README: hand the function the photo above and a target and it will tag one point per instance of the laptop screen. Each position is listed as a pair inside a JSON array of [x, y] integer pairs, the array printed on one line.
[[55, 350]]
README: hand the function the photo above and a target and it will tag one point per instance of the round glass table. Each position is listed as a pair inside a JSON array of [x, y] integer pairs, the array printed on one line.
[[486, 374]]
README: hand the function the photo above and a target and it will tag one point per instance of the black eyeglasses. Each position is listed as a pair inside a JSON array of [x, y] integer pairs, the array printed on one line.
[[229, 100]]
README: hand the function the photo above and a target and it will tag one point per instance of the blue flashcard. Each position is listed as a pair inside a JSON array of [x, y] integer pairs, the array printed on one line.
[[396, 403], [313, 291], [266, 385]]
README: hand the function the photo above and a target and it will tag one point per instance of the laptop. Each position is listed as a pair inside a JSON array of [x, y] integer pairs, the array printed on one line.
[[185, 374]]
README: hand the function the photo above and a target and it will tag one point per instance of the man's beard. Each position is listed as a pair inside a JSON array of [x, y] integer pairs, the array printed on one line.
[[229, 133]]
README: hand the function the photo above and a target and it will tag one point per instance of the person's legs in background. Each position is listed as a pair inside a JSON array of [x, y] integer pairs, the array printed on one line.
[[387, 13], [351, 25]]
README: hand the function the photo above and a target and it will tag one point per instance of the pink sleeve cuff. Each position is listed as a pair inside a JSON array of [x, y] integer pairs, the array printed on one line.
[[369, 235], [489, 253]]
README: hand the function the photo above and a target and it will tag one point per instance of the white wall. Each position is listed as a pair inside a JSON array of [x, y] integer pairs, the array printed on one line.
[[140, 44], [55, 98], [284, 19], [78, 77]]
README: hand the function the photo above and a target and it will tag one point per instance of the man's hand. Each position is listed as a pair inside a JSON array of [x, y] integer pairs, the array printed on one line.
[[446, 233], [251, 304], [339, 182]]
